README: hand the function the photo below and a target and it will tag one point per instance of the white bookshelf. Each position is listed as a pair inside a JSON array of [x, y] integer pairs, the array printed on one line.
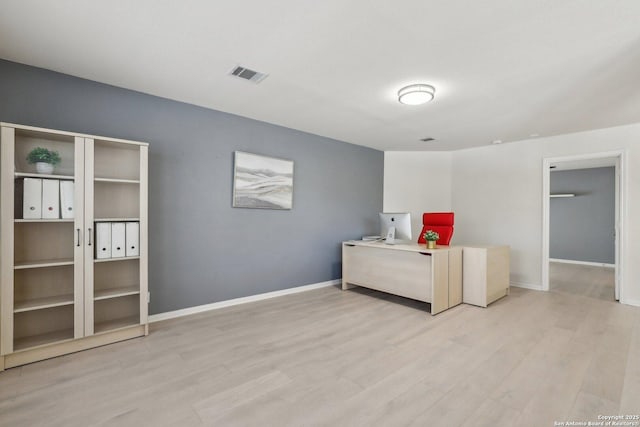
[[54, 294]]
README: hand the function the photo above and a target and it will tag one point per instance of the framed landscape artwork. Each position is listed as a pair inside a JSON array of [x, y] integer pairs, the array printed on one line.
[[262, 182]]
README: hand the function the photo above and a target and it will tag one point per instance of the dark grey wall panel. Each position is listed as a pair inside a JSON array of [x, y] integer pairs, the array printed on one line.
[[582, 227], [201, 249]]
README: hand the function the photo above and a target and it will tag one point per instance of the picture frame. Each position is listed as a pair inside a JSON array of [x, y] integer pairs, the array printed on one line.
[[262, 182]]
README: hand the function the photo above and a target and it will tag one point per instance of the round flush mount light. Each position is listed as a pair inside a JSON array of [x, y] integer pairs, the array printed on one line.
[[416, 94]]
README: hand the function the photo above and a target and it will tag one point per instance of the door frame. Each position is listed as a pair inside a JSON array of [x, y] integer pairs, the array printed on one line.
[[620, 212]]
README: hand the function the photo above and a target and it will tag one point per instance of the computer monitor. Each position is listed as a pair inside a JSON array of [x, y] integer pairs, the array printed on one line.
[[401, 221]]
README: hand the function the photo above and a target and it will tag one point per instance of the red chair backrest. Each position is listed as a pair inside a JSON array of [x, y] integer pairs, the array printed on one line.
[[441, 223]]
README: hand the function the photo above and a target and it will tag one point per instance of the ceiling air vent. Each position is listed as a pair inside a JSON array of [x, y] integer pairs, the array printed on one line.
[[427, 139], [247, 74]]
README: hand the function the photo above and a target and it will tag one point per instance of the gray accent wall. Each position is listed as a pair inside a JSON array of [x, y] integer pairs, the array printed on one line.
[[201, 249], [582, 227]]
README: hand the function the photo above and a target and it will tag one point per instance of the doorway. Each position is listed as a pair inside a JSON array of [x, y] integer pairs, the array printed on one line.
[[600, 271]]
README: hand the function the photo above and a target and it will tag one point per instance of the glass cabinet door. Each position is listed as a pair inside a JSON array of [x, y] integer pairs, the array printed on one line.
[[42, 230], [113, 188]]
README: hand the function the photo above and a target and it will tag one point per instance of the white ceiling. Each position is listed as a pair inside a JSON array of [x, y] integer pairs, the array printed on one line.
[[503, 69]]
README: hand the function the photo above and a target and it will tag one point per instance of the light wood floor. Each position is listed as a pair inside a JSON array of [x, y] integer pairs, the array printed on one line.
[[354, 358], [585, 280]]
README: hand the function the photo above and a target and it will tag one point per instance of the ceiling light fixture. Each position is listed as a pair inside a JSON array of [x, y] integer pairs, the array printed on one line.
[[416, 94]]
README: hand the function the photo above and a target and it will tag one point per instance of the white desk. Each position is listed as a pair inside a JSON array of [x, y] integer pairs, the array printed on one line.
[[408, 270]]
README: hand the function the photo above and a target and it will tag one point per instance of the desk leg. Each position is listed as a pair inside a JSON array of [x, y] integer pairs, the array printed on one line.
[[346, 285], [455, 277], [439, 282]]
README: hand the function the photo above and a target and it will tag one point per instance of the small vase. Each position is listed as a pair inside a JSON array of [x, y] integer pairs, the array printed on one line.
[[431, 244], [43, 167]]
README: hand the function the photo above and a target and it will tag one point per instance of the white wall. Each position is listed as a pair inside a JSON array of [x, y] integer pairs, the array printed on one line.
[[496, 194], [417, 182], [497, 198]]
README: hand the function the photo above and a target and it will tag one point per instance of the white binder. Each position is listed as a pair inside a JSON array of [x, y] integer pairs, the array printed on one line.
[[133, 238], [50, 198], [118, 241], [32, 198], [103, 240], [66, 199]]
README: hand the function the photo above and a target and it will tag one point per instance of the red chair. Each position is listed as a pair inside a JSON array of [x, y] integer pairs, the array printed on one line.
[[441, 223]]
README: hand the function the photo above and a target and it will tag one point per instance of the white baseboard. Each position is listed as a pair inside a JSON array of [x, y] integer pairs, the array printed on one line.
[[228, 303], [635, 303], [593, 264], [526, 286]]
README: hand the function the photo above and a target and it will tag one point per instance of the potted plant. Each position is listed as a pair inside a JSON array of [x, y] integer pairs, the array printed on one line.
[[44, 159], [431, 236]]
